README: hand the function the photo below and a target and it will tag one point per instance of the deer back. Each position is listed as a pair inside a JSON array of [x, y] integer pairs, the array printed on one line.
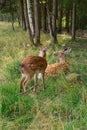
[[56, 68], [33, 63]]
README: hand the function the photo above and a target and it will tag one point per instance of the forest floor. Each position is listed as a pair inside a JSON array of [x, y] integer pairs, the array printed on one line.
[[63, 105]]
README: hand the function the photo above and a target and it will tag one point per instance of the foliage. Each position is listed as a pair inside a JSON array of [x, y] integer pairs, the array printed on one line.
[[9, 6], [82, 14]]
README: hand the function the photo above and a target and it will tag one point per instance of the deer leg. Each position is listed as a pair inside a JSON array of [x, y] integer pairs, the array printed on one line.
[[43, 81], [35, 82], [26, 81], [21, 83]]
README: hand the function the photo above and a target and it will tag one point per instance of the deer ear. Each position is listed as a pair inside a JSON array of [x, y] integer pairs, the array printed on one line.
[[67, 50]]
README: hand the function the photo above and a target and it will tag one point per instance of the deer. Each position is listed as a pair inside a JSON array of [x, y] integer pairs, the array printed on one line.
[[42, 53], [30, 67], [62, 66]]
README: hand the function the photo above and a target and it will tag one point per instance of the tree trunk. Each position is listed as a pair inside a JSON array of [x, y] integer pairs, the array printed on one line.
[[60, 18], [49, 13], [54, 16], [67, 20], [30, 15], [19, 13], [22, 17], [27, 22], [74, 21], [12, 17], [44, 17], [37, 22]]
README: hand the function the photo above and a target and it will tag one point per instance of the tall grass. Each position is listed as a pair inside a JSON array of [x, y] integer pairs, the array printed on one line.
[[63, 105]]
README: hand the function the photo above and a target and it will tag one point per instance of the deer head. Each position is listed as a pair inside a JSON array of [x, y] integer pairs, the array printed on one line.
[[62, 54], [43, 51]]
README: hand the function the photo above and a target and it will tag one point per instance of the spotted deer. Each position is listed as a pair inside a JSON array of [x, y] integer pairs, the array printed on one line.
[[30, 67], [61, 66], [42, 53]]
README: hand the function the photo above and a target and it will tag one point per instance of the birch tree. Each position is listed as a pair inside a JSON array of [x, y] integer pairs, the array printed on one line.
[[30, 15], [27, 22]]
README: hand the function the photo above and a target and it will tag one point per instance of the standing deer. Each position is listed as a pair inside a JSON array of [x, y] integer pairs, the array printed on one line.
[[30, 67], [42, 53], [61, 66]]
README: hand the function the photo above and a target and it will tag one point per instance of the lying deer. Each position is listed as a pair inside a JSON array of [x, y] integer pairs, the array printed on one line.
[[61, 66], [56, 68], [30, 67]]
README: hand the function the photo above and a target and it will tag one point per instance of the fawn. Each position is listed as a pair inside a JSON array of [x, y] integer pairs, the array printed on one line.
[[61, 66], [42, 53], [31, 66]]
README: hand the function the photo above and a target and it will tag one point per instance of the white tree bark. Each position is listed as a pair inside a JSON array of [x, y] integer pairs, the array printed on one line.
[[29, 5]]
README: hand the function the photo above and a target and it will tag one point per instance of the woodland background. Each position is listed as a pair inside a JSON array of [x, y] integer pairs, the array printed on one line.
[[48, 16], [24, 26]]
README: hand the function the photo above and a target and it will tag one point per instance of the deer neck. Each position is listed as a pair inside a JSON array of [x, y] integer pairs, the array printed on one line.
[[41, 54], [62, 60]]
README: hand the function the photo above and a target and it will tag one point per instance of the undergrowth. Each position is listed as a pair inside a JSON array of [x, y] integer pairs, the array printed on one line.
[[63, 104]]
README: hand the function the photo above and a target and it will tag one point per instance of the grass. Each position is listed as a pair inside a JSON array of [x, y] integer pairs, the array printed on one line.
[[63, 105]]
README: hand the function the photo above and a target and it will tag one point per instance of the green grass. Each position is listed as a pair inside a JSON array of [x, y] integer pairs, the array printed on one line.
[[63, 105]]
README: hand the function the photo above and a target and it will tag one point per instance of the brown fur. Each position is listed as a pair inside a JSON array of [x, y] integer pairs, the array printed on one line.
[[29, 67], [62, 66], [56, 68]]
